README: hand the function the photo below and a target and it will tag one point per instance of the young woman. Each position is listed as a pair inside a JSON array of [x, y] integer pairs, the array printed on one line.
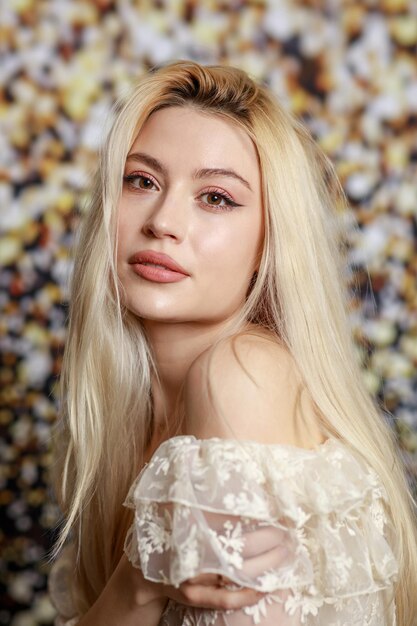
[[210, 384]]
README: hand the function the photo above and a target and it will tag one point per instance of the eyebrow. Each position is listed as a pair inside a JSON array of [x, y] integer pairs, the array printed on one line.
[[204, 172]]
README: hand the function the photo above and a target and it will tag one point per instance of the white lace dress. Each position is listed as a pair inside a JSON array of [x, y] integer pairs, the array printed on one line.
[[307, 526]]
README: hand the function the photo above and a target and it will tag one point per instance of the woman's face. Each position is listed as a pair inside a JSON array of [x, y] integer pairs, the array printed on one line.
[[191, 191]]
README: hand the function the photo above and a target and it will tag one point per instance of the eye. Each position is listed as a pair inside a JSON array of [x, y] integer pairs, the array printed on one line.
[[219, 199], [138, 181]]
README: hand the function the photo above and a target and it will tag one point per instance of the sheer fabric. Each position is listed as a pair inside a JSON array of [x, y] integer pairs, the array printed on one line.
[[309, 527]]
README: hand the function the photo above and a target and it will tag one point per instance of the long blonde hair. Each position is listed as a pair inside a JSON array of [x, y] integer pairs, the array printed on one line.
[[299, 294]]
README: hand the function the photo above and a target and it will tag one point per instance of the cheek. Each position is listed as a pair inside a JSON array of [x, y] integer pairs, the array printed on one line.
[[233, 247]]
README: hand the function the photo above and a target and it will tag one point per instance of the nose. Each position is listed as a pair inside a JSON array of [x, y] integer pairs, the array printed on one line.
[[168, 218]]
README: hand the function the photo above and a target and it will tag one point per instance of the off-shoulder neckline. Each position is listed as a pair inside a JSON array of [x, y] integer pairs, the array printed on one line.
[[321, 447]]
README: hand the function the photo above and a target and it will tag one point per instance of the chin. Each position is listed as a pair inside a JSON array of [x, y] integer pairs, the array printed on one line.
[[158, 316]]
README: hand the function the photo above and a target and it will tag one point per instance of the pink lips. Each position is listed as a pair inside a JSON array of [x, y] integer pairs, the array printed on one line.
[[169, 272]]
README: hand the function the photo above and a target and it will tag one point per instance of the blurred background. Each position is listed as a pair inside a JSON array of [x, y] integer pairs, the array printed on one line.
[[347, 68]]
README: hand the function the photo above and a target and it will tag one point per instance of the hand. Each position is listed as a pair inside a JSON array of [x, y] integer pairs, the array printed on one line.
[[264, 548], [204, 591], [207, 591]]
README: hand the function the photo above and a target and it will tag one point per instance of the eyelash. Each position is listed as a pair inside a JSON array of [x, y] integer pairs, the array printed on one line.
[[230, 204]]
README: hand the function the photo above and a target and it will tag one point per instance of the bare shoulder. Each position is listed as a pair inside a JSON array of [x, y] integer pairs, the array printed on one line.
[[249, 387]]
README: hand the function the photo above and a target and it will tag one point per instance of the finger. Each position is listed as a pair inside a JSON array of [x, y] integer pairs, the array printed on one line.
[[208, 579], [219, 598]]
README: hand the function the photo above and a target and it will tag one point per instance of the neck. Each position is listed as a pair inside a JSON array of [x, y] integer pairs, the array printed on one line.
[[175, 346]]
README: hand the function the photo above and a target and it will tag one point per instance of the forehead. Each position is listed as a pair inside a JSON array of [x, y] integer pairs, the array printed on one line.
[[197, 136]]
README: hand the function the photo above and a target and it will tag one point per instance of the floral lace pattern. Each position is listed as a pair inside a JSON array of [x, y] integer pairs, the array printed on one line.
[[309, 527]]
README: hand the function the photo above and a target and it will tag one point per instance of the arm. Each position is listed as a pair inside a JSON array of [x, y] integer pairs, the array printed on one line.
[[255, 392], [130, 599], [182, 529], [290, 521], [119, 601]]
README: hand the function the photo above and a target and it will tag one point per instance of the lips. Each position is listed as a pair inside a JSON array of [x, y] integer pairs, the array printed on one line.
[[157, 258]]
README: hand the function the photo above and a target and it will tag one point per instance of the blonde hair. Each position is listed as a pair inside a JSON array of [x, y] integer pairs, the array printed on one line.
[[299, 294]]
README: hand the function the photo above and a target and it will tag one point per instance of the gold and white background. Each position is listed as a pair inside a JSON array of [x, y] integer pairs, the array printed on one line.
[[347, 68]]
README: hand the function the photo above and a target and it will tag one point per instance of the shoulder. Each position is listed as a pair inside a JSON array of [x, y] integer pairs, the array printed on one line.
[[247, 387], [250, 352]]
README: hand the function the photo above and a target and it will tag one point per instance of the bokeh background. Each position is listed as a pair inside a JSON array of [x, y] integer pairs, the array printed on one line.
[[348, 69]]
